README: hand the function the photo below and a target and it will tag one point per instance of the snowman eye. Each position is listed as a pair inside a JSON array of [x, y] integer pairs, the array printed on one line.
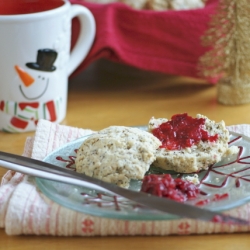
[[43, 78]]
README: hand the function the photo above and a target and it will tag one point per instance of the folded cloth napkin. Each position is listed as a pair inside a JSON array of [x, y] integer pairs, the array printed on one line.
[[25, 210], [162, 41]]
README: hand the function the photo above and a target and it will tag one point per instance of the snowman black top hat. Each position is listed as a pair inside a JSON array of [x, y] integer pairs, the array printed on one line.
[[44, 61]]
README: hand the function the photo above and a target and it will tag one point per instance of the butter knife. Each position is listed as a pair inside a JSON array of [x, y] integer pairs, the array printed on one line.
[[49, 171]]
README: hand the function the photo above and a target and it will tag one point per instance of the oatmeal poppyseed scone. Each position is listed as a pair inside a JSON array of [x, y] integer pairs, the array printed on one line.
[[195, 155], [117, 154]]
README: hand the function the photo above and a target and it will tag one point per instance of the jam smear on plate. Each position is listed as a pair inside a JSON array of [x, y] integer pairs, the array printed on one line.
[[182, 131], [217, 197], [166, 186]]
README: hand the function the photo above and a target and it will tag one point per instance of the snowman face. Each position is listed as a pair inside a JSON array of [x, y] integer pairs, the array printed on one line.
[[33, 84], [37, 89]]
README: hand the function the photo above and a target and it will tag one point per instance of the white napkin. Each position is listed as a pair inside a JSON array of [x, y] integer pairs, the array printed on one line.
[[25, 210]]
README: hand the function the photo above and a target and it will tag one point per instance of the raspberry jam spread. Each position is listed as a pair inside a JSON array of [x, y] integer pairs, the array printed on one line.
[[165, 186], [182, 131]]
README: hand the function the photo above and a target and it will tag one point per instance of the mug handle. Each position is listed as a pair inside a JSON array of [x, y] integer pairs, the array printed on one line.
[[86, 36]]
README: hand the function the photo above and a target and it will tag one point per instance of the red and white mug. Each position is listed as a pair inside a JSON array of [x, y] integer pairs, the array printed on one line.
[[36, 60]]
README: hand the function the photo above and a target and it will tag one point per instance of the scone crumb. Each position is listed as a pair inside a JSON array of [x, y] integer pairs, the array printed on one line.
[[194, 179]]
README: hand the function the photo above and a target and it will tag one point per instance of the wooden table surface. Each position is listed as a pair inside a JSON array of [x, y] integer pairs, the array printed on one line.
[[111, 94]]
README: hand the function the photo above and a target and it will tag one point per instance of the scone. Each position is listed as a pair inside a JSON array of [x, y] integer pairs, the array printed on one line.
[[158, 5], [186, 4], [136, 4], [198, 155], [117, 154]]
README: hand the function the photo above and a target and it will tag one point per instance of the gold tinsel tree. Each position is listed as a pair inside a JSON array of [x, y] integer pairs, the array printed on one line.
[[228, 59]]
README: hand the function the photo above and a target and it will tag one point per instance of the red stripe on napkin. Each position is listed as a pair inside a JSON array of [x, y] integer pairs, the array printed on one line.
[[161, 41]]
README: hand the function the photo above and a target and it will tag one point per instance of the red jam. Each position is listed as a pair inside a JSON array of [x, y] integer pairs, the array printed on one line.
[[165, 186], [182, 131], [202, 202], [217, 197]]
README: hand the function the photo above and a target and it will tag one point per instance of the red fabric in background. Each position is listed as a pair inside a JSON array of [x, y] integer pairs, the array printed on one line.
[[164, 41]]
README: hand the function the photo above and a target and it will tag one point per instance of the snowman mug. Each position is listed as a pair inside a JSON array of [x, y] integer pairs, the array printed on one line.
[[36, 60]]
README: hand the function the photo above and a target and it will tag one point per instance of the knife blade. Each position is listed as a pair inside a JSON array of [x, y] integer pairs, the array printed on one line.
[[49, 171]]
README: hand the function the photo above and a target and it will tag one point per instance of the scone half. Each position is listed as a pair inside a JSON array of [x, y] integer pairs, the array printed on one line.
[[117, 154], [197, 157]]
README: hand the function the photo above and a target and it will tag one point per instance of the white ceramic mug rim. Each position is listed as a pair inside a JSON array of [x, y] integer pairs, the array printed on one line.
[[35, 15]]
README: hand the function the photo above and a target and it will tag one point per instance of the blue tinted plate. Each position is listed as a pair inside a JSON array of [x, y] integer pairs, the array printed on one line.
[[223, 186]]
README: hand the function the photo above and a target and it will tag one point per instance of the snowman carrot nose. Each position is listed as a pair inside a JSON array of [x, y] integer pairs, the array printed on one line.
[[25, 77]]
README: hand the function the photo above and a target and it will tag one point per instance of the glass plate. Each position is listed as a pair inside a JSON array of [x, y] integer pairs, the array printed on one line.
[[223, 186]]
